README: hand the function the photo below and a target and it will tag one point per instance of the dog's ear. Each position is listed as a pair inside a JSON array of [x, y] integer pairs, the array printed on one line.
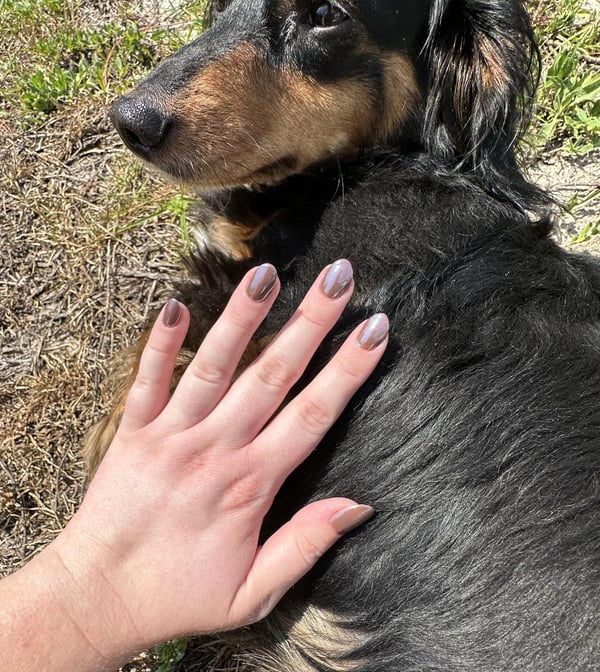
[[483, 66]]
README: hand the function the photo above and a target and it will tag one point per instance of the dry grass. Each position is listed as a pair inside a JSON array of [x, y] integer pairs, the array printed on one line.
[[86, 257], [77, 284]]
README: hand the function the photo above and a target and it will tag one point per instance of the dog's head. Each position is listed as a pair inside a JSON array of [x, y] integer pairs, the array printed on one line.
[[275, 86]]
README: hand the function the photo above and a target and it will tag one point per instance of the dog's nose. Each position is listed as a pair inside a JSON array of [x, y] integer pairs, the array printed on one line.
[[141, 125]]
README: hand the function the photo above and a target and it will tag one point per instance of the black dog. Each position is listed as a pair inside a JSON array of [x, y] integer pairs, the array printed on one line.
[[384, 131]]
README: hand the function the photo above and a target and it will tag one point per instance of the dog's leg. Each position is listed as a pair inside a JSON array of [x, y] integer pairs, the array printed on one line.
[[295, 637]]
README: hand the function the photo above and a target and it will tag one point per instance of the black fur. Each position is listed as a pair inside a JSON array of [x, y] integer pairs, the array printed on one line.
[[477, 438]]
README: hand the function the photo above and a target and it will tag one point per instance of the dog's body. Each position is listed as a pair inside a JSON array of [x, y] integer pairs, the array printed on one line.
[[476, 440]]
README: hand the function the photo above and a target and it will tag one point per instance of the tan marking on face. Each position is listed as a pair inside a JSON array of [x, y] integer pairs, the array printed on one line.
[[242, 122], [401, 93]]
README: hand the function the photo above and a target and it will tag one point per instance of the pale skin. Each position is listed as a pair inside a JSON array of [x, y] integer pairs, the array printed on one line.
[[165, 542]]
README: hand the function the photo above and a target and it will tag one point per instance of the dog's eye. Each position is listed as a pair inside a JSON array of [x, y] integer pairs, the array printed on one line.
[[324, 14]]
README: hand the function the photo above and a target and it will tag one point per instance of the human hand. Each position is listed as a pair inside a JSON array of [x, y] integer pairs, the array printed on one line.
[[166, 540]]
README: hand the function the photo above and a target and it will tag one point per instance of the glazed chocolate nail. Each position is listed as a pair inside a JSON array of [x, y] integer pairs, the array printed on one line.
[[352, 516], [374, 332], [262, 282], [337, 278], [171, 313]]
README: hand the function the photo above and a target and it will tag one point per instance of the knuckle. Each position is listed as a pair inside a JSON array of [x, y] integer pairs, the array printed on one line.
[[309, 550], [209, 372], [276, 373], [317, 318], [157, 350], [143, 382], [314, 416], [347, 366], [243, 321], [260, 610]]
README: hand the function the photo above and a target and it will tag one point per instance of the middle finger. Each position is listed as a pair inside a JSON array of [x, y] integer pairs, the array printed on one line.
[[259, 391]]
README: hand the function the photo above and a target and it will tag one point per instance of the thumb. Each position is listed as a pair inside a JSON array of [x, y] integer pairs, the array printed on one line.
[[291, 551]]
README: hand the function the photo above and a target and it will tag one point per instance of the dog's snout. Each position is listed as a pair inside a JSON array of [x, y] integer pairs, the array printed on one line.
[[142, 126]]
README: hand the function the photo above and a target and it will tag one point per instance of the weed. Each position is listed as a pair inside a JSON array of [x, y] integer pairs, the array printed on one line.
[[177, 207], [46, 91], [568, 111], [170, 653], [74, 63], [592, 228], [65, 61], [29, 9], [586, 233]]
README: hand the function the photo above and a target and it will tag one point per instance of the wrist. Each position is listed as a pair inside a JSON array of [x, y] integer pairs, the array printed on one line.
[[44, 621], [83, 586], [60, 612]]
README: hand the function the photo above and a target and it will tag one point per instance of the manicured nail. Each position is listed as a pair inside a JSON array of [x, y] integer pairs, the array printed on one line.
[[350, 517], [171, 313], [262, 282], [337, 278], [374, 332]]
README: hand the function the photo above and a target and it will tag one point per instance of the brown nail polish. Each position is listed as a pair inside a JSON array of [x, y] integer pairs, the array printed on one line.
[[350, 517], [374, 332], [262, 282], [337, 279], [171, 313]]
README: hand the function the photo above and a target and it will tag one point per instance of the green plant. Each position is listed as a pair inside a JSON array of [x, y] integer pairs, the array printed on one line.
[[47, 90], [30, 9], [592, 228], [572, 103], [170, 653], [178, 208], [586, 233], [65, 61], [74, 63], [568, 110]]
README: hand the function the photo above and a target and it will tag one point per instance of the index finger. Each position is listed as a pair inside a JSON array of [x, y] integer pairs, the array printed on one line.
[[302, 424]]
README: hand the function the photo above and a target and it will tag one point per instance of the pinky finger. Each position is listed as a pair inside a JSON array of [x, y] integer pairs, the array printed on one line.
[[150, 391], [291, 552]]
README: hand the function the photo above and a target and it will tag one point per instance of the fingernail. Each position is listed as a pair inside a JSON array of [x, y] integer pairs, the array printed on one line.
[[374, 332], [171, 313], [337, 278], [350, 517], [262, 282]]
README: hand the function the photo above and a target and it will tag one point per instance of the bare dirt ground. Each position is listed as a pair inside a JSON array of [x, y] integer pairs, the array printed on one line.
[[81, 270], [567, 176]]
